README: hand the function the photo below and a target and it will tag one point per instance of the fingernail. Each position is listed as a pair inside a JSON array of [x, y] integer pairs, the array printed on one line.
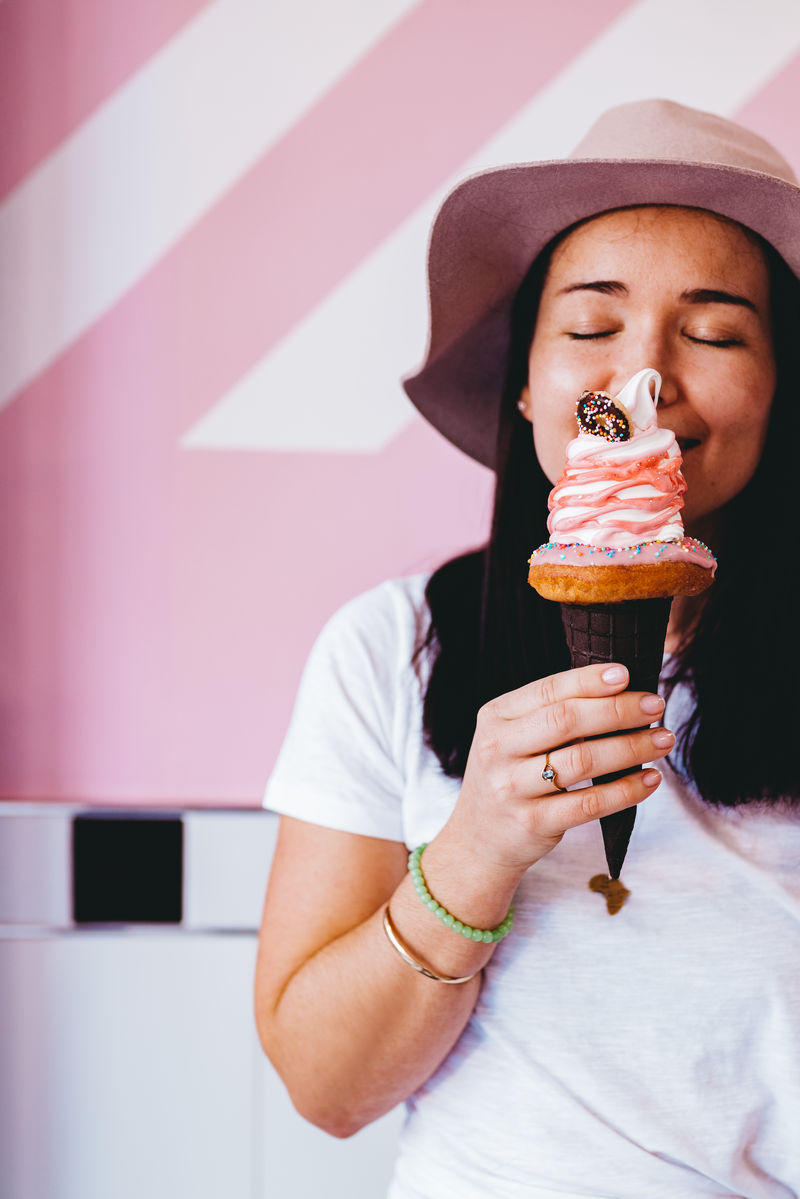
[[653, 704], [614, 674], [663, 738], [651, 778]]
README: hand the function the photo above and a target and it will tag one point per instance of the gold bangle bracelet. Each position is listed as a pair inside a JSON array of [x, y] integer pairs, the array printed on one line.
[[397, 944]]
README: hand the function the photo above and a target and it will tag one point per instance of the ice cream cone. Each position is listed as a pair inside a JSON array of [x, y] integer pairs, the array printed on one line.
[[633, 633], [618, 554]]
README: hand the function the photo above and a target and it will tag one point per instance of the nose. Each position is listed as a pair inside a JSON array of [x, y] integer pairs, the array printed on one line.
[[650, 349], [669, 388], [668, 392]]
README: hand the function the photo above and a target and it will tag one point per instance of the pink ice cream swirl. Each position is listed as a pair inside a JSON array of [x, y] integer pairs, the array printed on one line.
[[618, 494]]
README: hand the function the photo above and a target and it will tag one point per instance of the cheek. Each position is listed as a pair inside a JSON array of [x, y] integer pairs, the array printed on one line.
[[742, 426], [735, 444], [745, 452], [553, 429], [550, 450], [555, 383]]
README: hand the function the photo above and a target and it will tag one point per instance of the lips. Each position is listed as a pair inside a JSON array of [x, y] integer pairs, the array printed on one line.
[[687, 443]]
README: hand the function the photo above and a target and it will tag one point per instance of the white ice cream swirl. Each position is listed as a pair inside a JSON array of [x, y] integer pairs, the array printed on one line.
[[622, 493]]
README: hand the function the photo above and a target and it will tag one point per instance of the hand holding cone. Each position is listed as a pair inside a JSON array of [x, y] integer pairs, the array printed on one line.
[[618, 555]]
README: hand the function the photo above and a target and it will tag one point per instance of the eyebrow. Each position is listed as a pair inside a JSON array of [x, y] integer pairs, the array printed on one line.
[[697, 295], [606, 287], [704, 295]]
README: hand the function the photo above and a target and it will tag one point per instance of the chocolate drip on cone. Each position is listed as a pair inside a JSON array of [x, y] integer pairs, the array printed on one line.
[[633, 633]]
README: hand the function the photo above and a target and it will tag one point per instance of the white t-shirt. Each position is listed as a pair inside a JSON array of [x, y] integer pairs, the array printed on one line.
[[655, 1053]]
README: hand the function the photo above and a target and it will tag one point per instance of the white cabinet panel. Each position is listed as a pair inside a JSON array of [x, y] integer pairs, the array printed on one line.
[[297, 1161], [129, 1062], [127, 1067], [35, 867]]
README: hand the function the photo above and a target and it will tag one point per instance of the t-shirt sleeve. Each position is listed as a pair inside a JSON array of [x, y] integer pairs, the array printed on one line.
[[341, 764]]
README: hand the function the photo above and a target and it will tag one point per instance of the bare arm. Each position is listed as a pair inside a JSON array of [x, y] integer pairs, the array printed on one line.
[[350, 1027]]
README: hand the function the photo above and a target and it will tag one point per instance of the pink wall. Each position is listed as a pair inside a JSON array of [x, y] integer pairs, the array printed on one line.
[[213, 221]]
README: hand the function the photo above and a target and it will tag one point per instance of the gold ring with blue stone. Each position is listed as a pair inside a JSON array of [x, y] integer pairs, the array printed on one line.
[[549, 775]]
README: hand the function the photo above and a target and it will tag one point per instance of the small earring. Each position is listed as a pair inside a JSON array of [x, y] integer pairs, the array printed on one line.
[[523, 406]]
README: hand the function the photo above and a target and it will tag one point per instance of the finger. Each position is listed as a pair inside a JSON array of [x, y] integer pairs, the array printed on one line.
[[599, 680], [570, 720], [584, 760], [556, 814]]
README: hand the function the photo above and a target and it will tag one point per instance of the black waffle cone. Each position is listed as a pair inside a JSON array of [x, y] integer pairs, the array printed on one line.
[[633, 633]]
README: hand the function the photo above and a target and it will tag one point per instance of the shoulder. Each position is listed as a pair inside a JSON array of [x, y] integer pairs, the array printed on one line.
[[387, 622], [367, 657], [400, 599], [343, 761]]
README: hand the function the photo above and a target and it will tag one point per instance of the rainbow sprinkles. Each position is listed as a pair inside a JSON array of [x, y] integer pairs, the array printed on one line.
[[644, 552]]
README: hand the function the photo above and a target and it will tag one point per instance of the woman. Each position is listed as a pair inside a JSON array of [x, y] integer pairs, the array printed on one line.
[[657, 1053]]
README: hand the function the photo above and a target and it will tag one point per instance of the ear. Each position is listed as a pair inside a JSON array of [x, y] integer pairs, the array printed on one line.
[[524, 403]]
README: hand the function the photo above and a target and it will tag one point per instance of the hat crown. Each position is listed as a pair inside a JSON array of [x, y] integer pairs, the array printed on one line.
[[663, 129]]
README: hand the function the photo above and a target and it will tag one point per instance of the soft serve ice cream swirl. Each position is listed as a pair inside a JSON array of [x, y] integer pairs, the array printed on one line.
[[616, 532], [617, 493]]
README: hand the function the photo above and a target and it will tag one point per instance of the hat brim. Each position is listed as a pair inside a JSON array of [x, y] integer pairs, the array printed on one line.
[[491, 228]]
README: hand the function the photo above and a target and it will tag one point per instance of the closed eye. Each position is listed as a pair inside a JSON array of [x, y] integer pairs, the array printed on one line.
[[591, 336], [721, 343]]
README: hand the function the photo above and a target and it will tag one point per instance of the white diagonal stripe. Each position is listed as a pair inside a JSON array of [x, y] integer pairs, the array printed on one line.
[[709, 54], [329, 385], [105, 206]]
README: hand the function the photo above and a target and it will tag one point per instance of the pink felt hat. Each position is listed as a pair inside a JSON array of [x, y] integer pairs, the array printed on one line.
[[493, 225]]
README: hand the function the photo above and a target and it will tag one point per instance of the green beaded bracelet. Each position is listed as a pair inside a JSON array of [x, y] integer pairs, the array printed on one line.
[[466, 930]]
